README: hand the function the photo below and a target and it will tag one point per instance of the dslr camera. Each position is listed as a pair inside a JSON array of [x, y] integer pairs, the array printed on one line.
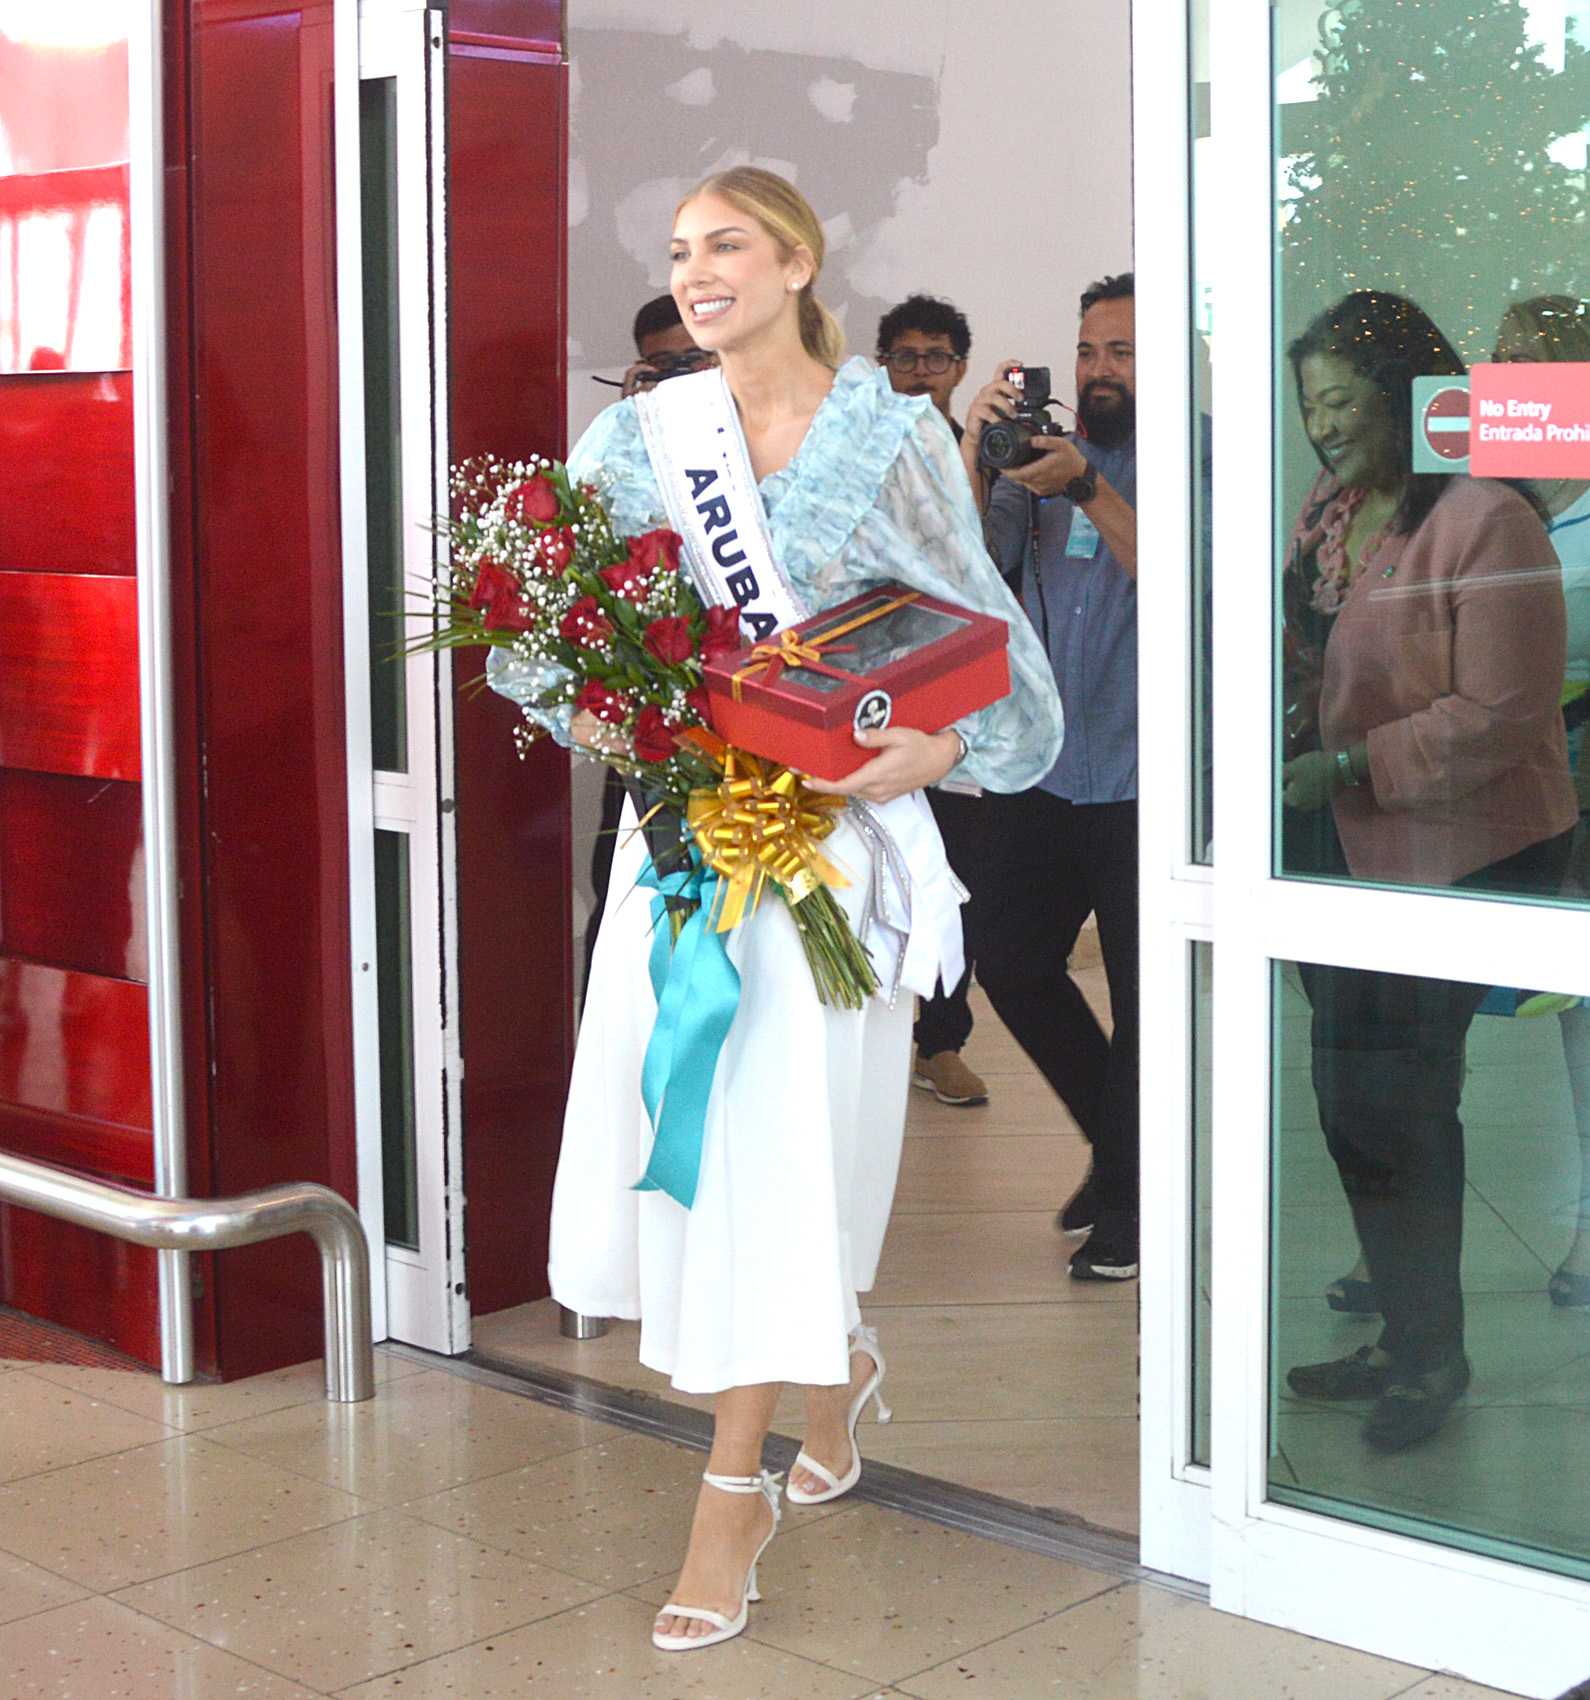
[[1007, 443]]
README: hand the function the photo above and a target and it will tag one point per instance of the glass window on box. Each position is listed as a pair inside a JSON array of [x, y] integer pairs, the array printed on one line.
[[1433, 625]]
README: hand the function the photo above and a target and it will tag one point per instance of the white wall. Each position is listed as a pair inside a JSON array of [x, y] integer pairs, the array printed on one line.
[[978, 150]]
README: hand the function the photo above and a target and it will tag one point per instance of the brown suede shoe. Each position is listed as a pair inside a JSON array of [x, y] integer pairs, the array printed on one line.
[[948, 1079]]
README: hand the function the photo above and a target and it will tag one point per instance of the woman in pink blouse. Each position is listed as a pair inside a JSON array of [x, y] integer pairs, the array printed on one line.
[[1424, 651]]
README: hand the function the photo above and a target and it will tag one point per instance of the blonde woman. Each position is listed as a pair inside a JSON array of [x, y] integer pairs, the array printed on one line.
[[757, 1283]]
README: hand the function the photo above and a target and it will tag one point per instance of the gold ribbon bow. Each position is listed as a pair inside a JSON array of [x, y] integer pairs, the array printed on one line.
[[793, 650], [759, 824]]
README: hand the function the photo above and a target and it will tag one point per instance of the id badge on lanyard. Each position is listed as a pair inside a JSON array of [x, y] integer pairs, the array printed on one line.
[[1082, 541]]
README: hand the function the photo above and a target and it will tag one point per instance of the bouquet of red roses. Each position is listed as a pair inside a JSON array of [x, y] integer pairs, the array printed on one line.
[[580, 618]]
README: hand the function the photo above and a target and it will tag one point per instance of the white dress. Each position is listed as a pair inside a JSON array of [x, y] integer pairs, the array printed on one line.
[[758, 1281]]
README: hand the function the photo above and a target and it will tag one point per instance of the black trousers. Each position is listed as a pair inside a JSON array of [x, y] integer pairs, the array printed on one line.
[[944, 1021], [1388, 1064], [1046, 865]]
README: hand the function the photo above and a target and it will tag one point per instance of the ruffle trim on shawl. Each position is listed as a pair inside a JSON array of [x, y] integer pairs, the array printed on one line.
[[612, 455], [832, 484]]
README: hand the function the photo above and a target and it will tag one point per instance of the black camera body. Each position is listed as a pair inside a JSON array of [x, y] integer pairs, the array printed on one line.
[[1007, 443]]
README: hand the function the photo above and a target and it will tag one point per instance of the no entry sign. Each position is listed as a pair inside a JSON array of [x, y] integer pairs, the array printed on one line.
[[1531, 420], [1440, 424]]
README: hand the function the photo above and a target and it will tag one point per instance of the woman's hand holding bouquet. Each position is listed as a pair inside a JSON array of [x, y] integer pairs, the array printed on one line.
[[607, 637]]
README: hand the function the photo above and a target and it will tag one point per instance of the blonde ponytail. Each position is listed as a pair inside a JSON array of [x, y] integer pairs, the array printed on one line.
[[787, 216], [821, 335]]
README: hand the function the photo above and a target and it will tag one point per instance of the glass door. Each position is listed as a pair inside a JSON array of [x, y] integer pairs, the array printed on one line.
[[1401, 519]]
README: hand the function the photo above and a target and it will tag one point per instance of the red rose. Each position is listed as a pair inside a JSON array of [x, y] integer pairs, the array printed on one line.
[[628, 579], [497, 593], [585, 624], [556, 549], [653, 737], [492, 581], [669, 640], [535, 502], [654, 549], [611, 706], [700, 701], [722, 634]]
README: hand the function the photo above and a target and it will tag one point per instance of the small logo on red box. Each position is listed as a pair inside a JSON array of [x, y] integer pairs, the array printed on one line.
[[873, 711]]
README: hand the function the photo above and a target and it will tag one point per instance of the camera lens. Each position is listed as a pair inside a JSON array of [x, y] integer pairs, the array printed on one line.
[[1005, 443]]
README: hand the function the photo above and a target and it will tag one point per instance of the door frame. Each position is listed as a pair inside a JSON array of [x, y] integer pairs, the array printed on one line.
[[1495, 1622], [1176, 907], [422, 1292]]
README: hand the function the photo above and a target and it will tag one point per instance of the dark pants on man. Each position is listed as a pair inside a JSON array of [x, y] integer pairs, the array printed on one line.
[[1046, 865], [944, 1021], [1388, 1064]]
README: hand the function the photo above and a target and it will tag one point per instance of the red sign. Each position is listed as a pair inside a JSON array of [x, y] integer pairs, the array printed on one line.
[[1446, 423], [1531, 419]]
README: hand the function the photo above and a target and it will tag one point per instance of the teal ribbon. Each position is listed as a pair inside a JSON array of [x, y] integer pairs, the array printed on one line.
[[698, 991]]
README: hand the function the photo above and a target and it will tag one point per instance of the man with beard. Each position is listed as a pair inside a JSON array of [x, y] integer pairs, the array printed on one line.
[[1064, 530], [923, 344]]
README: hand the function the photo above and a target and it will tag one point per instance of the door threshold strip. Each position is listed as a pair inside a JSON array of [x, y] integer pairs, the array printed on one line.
[[1053, 1534]]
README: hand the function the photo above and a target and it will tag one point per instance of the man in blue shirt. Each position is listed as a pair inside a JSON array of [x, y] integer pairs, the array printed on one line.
[[1063, 528]]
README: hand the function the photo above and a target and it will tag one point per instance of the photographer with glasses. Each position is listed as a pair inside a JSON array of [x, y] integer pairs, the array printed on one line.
[[924, 343], [665, 347]]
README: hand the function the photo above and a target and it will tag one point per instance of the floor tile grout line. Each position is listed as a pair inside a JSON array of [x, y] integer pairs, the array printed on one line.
[[21, 1558], [585, 1605], [1113, 1586], [175, 1387], [115, 1592], [231, 1652], [1496, 1212], [393, 1504], [402, 1509], [114, 1595], [967, 1511]]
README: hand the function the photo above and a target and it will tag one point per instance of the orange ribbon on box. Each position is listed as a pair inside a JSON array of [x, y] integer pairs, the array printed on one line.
[[792, 650]]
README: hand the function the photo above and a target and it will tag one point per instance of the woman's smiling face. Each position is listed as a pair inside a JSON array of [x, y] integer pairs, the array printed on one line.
[[731, 278], [1349, 421]]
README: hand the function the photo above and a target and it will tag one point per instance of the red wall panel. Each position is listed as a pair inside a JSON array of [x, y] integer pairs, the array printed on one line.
[[262, 757], [506, 116], [74, 1044], [99, 1286], [71, 876], [519, 23], [66, 472], [69, 674]]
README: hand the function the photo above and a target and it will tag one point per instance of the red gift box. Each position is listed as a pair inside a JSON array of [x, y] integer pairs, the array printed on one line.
[[890, 657]]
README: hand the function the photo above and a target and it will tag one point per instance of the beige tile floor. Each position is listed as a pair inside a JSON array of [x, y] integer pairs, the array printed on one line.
[[454, 1540], [1004, 1374]]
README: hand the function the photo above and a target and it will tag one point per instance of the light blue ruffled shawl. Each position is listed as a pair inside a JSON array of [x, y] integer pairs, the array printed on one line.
[[877, 491]]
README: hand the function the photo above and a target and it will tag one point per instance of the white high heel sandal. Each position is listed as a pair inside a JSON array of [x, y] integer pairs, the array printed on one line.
[[724, 1628], [862, 1340]]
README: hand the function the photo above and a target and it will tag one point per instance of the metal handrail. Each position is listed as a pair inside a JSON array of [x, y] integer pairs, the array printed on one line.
[[217, 1224]]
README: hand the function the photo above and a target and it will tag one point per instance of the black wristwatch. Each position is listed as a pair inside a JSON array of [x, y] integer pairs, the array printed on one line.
[[1083, 488]]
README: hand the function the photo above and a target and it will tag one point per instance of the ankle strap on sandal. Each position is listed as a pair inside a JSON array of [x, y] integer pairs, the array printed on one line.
[[762, 1483]]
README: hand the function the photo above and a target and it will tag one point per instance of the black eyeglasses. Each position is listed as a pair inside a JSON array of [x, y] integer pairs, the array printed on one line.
[[936, 361]]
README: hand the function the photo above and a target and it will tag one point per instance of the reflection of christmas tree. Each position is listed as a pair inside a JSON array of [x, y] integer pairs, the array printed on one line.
[[1422, 166]]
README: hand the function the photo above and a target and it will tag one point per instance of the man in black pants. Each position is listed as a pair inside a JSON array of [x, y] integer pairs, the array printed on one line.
[[923, 344], [1066, 524]]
